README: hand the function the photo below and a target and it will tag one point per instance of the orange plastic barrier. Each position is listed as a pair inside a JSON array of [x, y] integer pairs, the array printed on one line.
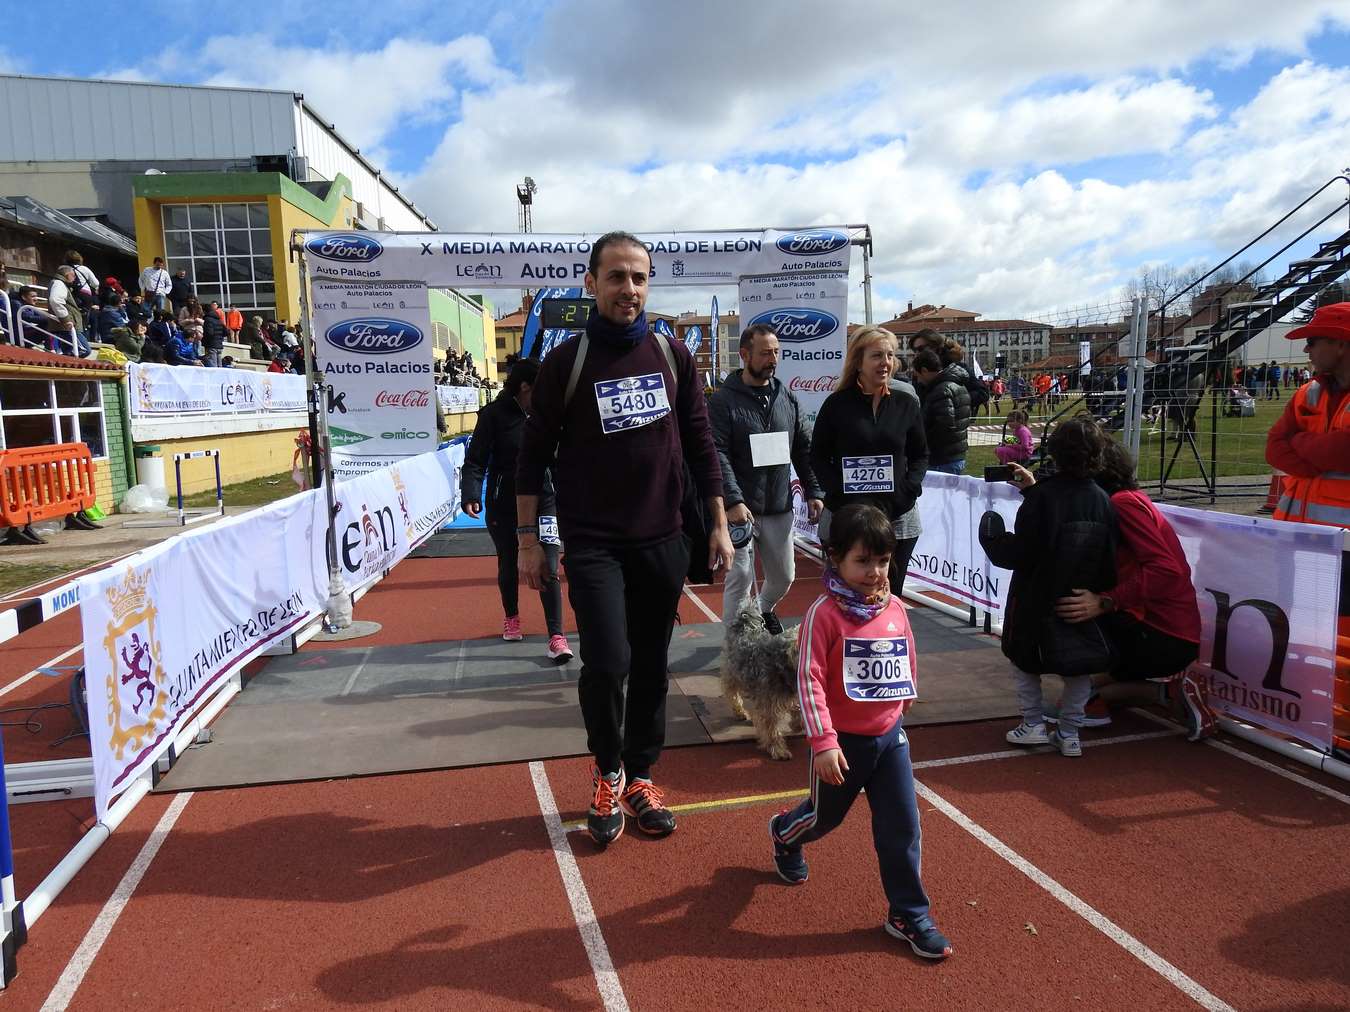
[[43, 482]]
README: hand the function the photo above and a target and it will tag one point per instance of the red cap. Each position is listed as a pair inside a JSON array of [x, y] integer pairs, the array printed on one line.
[[1328, 321]]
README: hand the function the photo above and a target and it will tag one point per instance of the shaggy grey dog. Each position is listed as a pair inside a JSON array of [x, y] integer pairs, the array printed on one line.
[[759, 677]]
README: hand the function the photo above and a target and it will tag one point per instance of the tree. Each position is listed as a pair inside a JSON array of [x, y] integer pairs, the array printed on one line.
[[1332, 293], [1159, 284]]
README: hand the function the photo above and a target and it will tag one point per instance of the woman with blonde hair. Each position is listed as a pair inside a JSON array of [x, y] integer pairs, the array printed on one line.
[[868, 445]]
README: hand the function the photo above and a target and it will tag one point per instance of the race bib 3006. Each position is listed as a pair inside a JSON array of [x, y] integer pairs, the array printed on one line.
[[548, 531], [878, 670], [631, 402], [869, 474]]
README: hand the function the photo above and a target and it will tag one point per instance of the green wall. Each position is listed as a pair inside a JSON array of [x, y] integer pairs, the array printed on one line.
[[463, 317]]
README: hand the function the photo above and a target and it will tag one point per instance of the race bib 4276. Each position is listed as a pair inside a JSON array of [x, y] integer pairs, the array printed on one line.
[[878, 670], [869, 474], [631, 402]]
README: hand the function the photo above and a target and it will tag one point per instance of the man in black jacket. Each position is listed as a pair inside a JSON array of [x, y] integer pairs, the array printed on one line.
[[213, 335], [758, 427], [180, 290], [619, 415], [946, 410]]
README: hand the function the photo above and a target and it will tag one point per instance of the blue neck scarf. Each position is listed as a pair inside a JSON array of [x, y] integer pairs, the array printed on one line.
[[861, 607], [615, 335]]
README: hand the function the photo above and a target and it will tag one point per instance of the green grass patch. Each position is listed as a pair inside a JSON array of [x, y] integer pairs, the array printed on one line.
[[254, 492], [17, 575], [1239, 443]]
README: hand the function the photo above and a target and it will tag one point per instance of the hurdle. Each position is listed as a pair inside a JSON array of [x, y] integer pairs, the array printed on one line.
[[188, 516]]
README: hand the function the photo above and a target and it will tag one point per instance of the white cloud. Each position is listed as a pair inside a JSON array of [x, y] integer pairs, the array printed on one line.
[[959, 131]]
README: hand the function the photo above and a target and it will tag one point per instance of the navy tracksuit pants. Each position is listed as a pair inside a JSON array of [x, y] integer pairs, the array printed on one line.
[[881, 765]]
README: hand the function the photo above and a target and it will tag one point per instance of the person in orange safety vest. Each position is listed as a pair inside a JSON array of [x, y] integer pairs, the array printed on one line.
[[1311, 444]]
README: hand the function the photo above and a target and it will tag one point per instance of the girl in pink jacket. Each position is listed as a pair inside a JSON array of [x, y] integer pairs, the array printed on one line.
[[856, 678], [1017, 445]]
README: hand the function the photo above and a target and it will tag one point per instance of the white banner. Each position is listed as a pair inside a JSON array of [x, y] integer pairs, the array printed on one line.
[[457, 400], [948, 557], [1269, 595], [512, 260], [809, 313], [383, 515], [373, 345], [164, 628], [173, 391]]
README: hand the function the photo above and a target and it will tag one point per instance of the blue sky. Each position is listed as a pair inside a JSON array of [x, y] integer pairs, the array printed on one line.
[[1010, 158]]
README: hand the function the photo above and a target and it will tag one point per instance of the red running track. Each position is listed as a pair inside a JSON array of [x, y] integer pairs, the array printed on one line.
[[443, 890]]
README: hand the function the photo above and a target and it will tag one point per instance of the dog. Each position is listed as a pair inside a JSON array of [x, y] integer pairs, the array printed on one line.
[[759, 678]]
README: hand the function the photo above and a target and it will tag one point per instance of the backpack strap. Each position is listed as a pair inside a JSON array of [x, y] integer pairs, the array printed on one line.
[[575, 377], [670, 360]]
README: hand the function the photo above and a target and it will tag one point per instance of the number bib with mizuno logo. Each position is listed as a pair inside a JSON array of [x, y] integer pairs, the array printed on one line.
[[631, 402], [877, 670], [548, 531], [869, 474]]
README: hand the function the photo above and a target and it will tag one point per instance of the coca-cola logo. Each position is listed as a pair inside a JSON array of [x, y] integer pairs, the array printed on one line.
[[812, 384], [403, 398]]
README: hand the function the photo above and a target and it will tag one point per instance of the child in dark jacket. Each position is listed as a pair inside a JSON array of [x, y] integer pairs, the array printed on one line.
[[1063, 541]]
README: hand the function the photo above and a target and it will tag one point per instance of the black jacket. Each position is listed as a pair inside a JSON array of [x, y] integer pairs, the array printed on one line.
[[180, 290], [946, 414], [735, 412], [1064, 538], [493, 449], [846, 427], [213, 331]]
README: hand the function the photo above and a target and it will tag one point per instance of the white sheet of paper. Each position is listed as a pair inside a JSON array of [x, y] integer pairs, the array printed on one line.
[[769, 448]]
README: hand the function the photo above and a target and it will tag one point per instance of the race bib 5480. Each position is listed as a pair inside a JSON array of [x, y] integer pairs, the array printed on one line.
[[869, 474], [878, 670], [631, 402]]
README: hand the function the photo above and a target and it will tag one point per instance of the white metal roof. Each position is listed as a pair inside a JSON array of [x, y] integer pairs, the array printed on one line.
[[50, 119]]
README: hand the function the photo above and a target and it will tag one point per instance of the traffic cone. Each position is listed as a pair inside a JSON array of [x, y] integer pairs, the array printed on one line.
[[1273, 494]]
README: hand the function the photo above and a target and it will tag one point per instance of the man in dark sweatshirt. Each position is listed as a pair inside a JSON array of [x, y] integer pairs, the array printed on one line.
[[620, 423]]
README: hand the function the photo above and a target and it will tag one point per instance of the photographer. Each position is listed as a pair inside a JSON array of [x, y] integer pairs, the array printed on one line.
[[1063, 540]]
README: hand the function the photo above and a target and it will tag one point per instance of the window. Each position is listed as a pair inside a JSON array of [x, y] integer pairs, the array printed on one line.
[[43, 412], [226, 250]]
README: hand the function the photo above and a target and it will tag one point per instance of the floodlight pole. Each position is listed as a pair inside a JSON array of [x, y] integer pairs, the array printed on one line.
[[867, 278]]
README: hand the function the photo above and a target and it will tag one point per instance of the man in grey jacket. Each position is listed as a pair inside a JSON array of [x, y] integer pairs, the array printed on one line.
[[759, 427]]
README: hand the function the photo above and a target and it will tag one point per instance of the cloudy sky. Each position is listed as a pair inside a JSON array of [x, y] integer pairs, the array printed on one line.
[[1010, 158]]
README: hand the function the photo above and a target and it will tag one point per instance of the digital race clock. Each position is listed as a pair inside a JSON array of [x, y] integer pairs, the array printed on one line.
[[566, 314]]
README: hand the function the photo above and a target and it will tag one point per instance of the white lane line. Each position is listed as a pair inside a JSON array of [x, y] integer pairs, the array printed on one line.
[[1191, 988], [1279, 771], [357, 673], [459, 663], [923, 764], [84, 956], [961, 760], [38, 670], [606, 978], [701, 606]]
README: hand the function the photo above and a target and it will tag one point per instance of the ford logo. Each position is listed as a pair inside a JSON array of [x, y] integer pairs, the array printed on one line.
[[797, 325], [882, 647], [373, 336], [349, 247], [811, 243]]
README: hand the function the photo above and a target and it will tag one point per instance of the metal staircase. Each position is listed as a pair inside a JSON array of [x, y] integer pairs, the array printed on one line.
[[1178, 383]]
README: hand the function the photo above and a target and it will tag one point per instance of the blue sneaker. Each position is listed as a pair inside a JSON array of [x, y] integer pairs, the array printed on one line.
[[789, 861], [923, 937]]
